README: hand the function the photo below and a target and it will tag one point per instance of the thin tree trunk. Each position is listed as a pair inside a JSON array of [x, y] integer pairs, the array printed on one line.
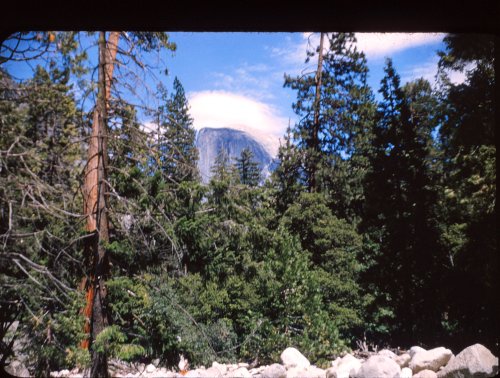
[[314, 142], [96, 208]]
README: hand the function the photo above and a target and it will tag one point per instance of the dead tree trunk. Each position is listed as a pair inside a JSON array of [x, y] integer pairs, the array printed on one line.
[[314, 146], [96, 207]]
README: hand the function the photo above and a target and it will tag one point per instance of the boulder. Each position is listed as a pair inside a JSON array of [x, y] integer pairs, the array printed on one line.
[[406, 373], [430, 359], [222, 368], [300, 372], [211, 372], [403, 360], [475, 361], [193, 374], [150, 368], [388, 353], [274, 371], [414, 349], [380, 367], [425, 374], [291, 357], [345, 367], [17, 369], [241, 372]]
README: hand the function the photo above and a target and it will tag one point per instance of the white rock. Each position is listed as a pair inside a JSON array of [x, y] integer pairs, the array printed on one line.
[[380, 367], [274, 371], [243, 364], [64, 373], [212, 372], [193, 374], [426, 374], [292, 357], [222, 368], [300, 372], [241, 372], [414, 349], [388, 353], [403, 360], [475, 361], [430, 359], [345, 367], [406, 373], [150, 368], [336, 362]]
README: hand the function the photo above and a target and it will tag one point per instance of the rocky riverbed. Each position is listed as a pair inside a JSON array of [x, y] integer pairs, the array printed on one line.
[[475, 361]]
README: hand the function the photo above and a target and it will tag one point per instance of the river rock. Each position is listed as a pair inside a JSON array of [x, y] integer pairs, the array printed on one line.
[[17, 369], [150, 368], [430, 359], [274, 371], [475, 361], [291, 357], [425, 374], [380, 367], [211, 372], [415, 349], [345, 367], [241, 372], [300, 372], [222, 368], [388, 353], [406, 373], [403, 360]]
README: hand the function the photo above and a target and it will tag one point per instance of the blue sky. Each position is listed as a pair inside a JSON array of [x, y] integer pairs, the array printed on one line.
[[236, 79]]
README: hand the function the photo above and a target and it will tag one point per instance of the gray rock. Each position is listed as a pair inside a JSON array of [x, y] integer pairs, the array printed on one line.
[[380, 367], [474, 361], [274, 371], [426, 374], [291, 357], [210, 140], [17, 369], [430, 359]]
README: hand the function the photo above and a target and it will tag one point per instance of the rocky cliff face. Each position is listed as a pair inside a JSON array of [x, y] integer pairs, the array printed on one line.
[[209, 141]]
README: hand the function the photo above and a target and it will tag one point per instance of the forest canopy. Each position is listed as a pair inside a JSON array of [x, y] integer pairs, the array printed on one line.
[[377, 223]]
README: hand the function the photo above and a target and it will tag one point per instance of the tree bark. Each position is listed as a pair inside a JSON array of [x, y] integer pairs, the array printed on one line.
[[96, 207], [314, 141]]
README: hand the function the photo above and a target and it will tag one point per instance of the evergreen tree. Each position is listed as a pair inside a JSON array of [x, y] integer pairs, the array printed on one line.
[[334, 129], [286, 178], [468, 197], [248, 169], [399, 212], [177, 138]]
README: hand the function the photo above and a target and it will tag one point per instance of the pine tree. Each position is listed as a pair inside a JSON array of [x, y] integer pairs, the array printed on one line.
[[335, 108], [400, 215], [248, 169], [468, 197], [177, 139]]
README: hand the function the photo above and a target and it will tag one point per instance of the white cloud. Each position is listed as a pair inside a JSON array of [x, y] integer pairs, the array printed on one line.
[[376, 45], [219, 109]]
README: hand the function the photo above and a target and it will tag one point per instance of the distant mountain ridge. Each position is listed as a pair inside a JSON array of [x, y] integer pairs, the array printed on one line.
[[210, 140]]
